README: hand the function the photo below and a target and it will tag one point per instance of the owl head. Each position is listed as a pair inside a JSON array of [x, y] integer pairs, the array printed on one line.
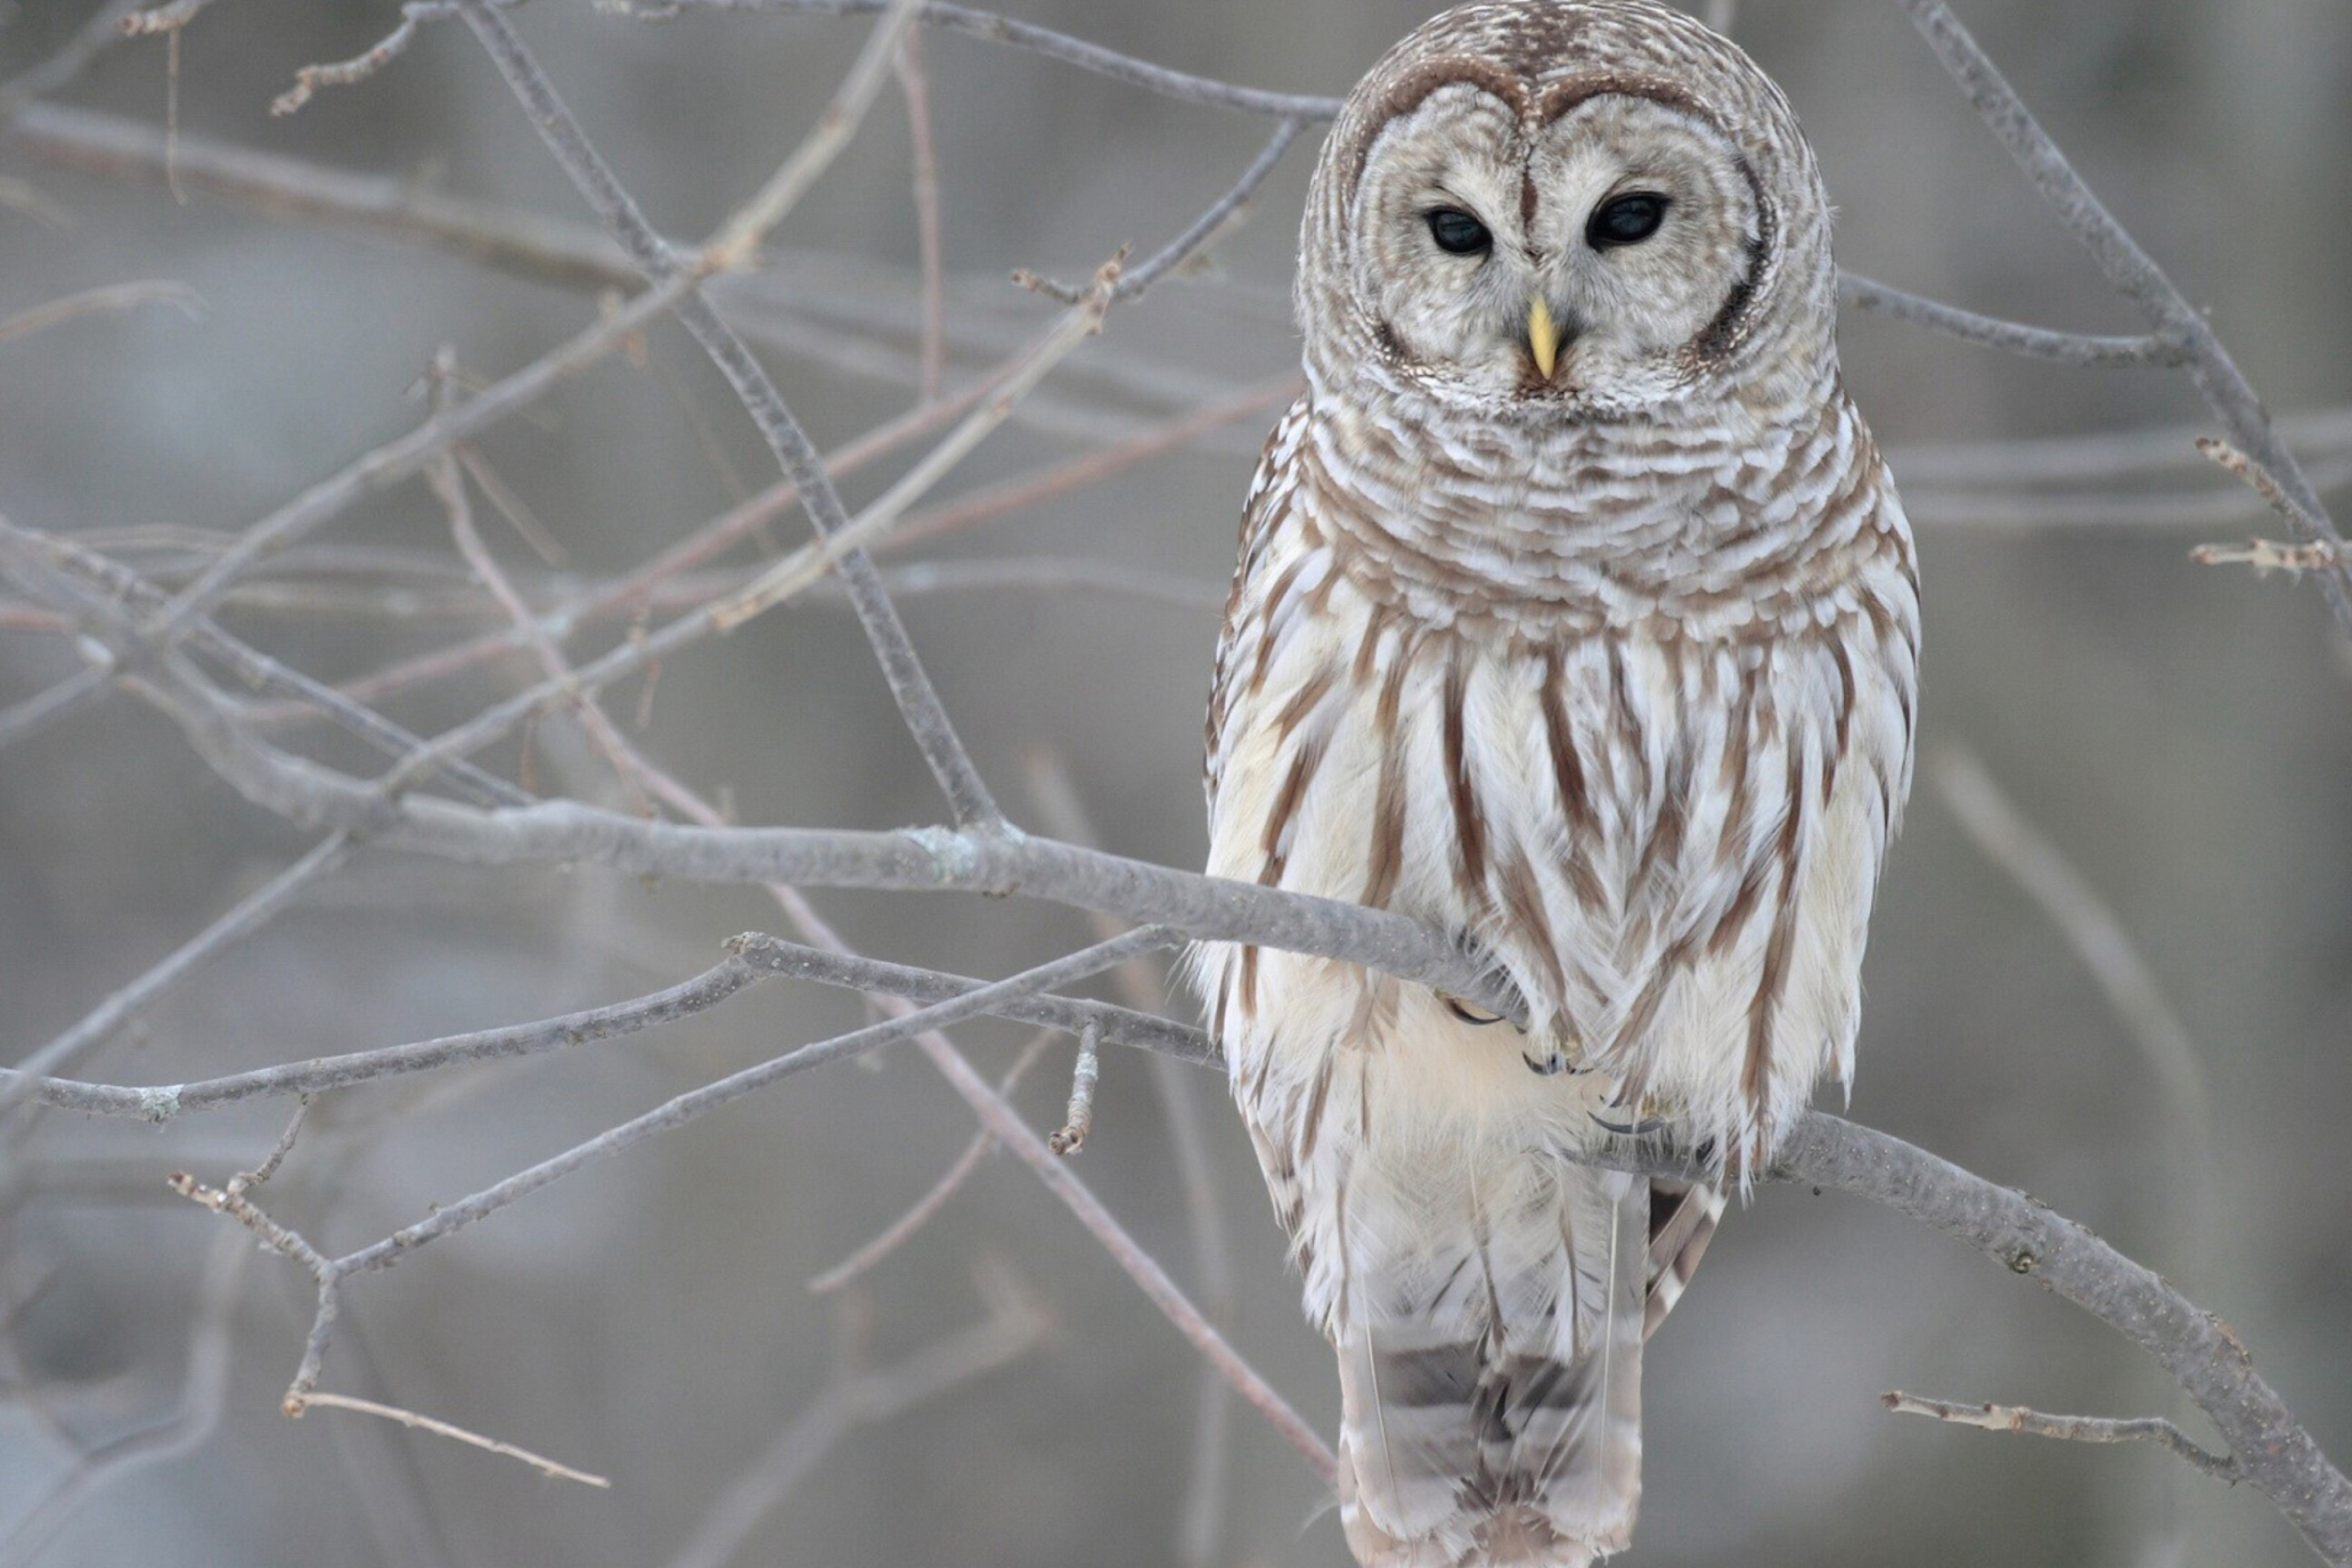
[[1580, 209]]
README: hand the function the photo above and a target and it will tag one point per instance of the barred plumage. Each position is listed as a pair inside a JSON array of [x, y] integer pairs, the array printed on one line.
[[1596, 645]]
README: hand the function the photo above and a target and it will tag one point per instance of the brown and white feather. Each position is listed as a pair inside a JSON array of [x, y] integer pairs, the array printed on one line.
[[1613, 677]]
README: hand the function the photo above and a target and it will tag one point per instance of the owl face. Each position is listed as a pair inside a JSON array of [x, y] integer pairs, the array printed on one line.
[[1579, 207], [1584, 265]]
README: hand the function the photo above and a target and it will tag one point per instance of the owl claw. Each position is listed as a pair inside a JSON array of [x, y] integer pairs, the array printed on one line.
[[1641, 1129], [1476, 1017], [1551, 1066]]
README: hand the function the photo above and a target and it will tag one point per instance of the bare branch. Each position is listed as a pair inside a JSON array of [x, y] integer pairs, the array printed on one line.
[[2322, 551], [23, 720], [899, 1231], [23, 553], [544, 1466], [2033, 342], [365, 63], [2136, 276], [1079, 1120], [918, 699], [60, 70], [1209, 226], [248, 916], [694, 1103], [2267, 555], [1200, 1530], [245, 1182], [915, 86], [523, 243], [279, 1239], [2202, 1352], [2092, 928], [830, 552], [405, 458], [1175, 84], [2069, 1428], [732, 249], [168, 19], [1014, 1325], [161, 1102], [639, 589], [1201, 908], [111, 299]]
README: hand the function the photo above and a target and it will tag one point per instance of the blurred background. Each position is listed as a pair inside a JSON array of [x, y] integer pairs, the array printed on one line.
[[2181, 735]]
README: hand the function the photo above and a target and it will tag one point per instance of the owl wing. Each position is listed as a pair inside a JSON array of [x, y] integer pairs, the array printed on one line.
[[1239, 643]]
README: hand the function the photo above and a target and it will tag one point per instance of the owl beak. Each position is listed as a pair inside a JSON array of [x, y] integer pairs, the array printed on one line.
[[1543, 337]]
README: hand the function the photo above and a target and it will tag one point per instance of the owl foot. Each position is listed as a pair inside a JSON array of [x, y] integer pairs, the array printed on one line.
[[1477, 1018], [1642, 1129]]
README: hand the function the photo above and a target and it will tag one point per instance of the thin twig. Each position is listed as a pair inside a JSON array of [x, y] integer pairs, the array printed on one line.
[[1063, 813], [245, 1182], [546, 1467], [2135, 275], [1210, 224], [2267, 555], [1176, 84], [449, 484], [161, 1103], [112, 300], [156, 20], [60, 70], [918, 701], [1079, 1120], [915, 86], [526, 244], [682, 1109], [2275, 1453], [830, 552], [2069, 1428], [900, 1230], [249, 915], [1014, 1325], [23, 720], [732, 249], [2144, 350], [2317, 554], [125, 595], [1053, 480], [630, 594], [279, 1238], [408, 456]]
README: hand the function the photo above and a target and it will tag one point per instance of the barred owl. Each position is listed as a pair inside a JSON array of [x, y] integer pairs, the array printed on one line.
[[1576, 617]]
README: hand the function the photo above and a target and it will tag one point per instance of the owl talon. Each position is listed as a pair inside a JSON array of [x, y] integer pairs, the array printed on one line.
[[1641, 1129], [1551, 1066], [1476, 1017]]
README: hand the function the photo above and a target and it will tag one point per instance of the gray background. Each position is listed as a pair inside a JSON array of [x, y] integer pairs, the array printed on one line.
[[2184, 732]]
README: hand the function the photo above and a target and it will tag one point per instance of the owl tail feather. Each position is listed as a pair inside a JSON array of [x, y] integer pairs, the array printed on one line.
[[1519, 1442]]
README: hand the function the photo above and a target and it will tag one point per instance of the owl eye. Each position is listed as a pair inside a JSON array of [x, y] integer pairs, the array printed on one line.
[[1625, 220], [1457, 232]]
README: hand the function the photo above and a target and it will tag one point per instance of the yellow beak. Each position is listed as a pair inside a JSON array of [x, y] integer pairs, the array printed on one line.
[[1543, 337]]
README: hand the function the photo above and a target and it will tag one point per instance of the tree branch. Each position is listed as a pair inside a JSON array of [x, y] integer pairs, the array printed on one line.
[[2068, 1428], [2151, 349], [2202, 1354], [2136, 276], [910, 685]]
